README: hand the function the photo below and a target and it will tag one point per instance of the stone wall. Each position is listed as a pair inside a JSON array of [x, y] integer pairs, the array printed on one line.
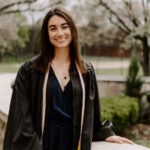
[[115, 85], [2, 130], [3, 120]]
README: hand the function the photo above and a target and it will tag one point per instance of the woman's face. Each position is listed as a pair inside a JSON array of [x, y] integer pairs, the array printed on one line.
[[59, 32]]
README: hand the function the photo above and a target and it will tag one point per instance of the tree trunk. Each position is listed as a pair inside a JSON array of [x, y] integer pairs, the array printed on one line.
[[1, 57], [146, 55]]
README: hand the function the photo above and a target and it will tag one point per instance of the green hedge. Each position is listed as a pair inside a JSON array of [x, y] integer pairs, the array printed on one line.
[[123, 111]]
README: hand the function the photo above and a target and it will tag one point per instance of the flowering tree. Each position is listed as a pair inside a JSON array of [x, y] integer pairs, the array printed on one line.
[[133, 19], [13, 6], [14, 30]]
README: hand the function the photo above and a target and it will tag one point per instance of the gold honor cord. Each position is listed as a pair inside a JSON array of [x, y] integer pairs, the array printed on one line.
[[44, 98], [79, 146], [83, 105]]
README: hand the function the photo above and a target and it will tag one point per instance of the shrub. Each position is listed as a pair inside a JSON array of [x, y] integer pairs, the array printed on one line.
[[134, 81], [123, 111]]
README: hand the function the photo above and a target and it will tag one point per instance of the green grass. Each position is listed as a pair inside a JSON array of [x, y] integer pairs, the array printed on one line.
[[90, 58], [13, 67], [9, 67], [117, 71], [11, 64], [142, 142], [19, 59]]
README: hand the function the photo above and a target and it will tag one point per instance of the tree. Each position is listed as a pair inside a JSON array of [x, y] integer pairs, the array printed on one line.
[[90, 25], [14, 29], [15, 6], [94, 26], [134, 81], [133, 19], [101, 22], [33, 45]]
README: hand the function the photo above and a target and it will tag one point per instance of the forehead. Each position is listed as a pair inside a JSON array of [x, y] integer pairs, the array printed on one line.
[[56, 20]]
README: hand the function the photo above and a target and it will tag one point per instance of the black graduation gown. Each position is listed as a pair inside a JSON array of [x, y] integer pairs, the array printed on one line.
[[58, 132], [24, 126]]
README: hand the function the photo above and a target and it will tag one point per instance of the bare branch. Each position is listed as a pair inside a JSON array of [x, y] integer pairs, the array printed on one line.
[[109, 38], [143, 3], [145, 9], [134, 21], [116, 15], [118, 26], [131, 15], [138, 37], [16, 3], [50, 5], [30, 9], [128, 5]]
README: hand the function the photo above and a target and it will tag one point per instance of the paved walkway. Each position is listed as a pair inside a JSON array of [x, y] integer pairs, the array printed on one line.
[[113, 64], [5, 91]]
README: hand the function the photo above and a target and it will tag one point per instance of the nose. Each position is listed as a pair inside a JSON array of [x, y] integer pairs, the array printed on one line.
[[60, 32]]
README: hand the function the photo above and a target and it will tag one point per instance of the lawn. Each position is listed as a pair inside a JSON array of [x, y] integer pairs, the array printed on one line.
[[104, 66], [13, 67], [9, 67], [110, 71]]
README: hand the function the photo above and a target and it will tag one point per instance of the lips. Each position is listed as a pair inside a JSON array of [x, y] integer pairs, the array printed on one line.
[[60, 40]]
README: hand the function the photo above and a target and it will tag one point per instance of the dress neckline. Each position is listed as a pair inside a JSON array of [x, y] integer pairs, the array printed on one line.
[[62, 90]]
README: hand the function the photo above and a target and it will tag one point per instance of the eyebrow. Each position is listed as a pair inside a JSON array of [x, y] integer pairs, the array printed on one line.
[[50, 26]]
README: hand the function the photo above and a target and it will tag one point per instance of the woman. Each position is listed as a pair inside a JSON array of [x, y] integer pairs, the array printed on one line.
[[55, 102]]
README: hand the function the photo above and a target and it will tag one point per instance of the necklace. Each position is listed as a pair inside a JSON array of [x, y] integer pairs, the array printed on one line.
[[65, 77]]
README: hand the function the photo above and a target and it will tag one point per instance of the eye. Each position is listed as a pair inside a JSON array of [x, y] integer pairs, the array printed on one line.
[[52, 29], [65, 26]]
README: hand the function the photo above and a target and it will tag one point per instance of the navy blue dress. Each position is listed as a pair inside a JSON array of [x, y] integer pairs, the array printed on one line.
[[58, 132]]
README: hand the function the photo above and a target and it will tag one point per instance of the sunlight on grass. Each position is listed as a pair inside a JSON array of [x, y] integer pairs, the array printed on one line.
[[143, 142], [12, 65], [9, 67], [119, 71]]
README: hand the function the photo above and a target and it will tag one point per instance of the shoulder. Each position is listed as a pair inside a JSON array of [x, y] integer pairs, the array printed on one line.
[[88, 66], [28, 65], [24, 73], [26, 68]]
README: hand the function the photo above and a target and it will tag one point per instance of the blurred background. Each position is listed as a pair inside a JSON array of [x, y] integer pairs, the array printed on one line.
[[112, 29], [114, 35]]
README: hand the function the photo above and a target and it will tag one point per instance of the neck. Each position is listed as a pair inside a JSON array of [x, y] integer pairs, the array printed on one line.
[[62, 55]]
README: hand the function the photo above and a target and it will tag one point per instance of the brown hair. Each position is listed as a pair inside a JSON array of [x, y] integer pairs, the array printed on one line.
[[47, 49]]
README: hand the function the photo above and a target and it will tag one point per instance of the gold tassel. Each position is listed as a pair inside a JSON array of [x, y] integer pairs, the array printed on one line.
[[79, 146]]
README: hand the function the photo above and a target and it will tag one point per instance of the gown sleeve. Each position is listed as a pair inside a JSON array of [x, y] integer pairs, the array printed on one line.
[[20, 133], [100, 130]]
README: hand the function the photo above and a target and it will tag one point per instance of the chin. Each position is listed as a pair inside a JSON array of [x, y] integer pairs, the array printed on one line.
[[62, 45]]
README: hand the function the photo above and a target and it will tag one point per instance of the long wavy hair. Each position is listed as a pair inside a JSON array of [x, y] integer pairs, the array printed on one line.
[[46, 53]]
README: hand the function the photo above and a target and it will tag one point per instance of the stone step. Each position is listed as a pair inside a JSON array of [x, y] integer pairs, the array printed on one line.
[[115, 146]]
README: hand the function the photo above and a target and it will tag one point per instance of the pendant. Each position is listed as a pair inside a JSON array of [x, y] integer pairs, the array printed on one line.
[[65, 77]]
